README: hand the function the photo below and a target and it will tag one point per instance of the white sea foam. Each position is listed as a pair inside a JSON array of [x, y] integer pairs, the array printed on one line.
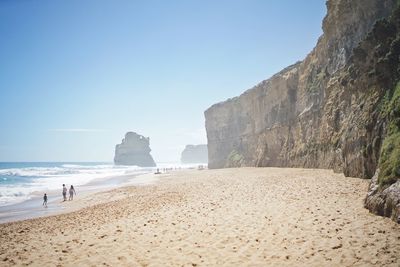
[[28, 181], [35, 171], [11, 195], [19, 184]]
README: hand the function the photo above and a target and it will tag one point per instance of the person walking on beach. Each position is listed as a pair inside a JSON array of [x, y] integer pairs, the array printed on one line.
[[71, 192], [64, 192], [45, 200]]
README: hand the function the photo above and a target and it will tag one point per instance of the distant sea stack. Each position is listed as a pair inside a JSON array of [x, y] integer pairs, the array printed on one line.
[[337, 109], [134, 150], [195, 154]]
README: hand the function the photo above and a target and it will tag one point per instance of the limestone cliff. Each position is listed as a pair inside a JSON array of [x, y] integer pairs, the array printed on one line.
[[322, 112], [134, 150], [195, 154]]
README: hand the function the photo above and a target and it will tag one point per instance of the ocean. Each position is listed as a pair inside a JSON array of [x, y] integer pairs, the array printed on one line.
[[20, 181]]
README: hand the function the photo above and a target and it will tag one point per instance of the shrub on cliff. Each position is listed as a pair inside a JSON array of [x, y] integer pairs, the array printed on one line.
[[389, 162]]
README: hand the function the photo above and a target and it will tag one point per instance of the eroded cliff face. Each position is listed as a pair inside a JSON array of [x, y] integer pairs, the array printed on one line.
[[323, 112]]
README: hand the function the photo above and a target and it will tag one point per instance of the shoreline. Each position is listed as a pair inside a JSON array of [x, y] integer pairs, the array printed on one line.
[[240, 217], [32, 208]]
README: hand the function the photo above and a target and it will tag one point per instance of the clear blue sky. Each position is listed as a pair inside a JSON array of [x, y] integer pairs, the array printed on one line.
[[75, 75]]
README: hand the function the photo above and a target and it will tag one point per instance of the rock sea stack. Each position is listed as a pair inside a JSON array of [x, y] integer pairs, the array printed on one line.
[[195, 154], [134, 150]]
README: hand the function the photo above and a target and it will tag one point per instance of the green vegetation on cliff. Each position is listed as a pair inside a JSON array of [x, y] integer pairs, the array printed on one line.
[[235, 159], [389, 162]]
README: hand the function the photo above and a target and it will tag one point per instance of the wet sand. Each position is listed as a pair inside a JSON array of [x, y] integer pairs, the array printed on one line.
[[229, 217], [33, 208]]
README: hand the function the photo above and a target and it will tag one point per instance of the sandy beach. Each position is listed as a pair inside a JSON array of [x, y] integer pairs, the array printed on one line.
[[227, 217]]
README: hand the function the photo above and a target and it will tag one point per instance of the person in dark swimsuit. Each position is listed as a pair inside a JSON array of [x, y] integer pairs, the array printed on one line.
[[45, 200]]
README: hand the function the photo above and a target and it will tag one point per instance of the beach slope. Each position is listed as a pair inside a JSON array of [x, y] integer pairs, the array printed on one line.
[[228, 217]]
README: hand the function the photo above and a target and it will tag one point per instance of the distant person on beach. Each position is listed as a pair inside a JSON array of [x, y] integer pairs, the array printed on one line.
[[71, 192], [64, 192], [45, 200]]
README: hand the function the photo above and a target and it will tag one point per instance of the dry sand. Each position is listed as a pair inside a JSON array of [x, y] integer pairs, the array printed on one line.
[[229, 217]]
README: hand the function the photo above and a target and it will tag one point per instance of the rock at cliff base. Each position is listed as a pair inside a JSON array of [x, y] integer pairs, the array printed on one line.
[[383, 201], [195, 154], [134, 150]]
